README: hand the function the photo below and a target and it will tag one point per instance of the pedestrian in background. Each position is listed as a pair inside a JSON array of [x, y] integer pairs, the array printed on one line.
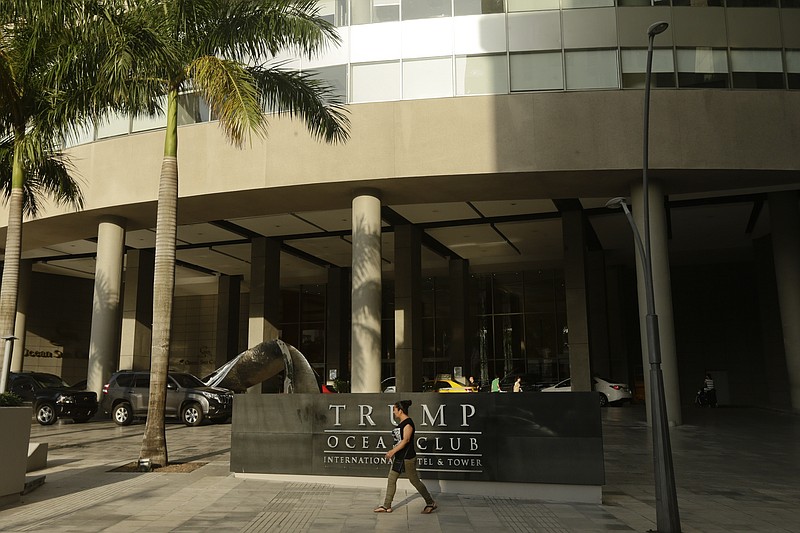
[[710, 391], [518, 384], [404, 459]]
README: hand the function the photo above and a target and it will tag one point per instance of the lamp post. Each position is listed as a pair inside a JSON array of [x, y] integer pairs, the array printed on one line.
[[667, 515]]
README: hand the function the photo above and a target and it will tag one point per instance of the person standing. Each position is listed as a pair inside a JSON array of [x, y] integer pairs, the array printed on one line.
[[496, 384], [518, 384], [710, 391], [404, 459]]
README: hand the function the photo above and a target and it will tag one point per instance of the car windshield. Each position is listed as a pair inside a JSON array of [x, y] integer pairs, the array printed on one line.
[[187, 381], [49, 380]]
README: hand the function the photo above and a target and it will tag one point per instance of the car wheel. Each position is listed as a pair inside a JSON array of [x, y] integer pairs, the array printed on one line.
[[46, 414], [192, 414], [603, 400], [122, 414]]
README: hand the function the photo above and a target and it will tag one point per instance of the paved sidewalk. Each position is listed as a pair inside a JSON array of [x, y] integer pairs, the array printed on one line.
[[736, 469]]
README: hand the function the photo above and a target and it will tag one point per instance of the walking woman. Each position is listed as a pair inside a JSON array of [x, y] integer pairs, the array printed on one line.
[[404, 459]]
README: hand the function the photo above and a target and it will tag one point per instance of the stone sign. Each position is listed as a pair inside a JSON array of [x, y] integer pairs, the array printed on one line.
[[528, 437]]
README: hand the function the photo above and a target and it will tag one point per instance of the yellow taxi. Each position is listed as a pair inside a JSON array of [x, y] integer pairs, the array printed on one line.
[[446, 385]]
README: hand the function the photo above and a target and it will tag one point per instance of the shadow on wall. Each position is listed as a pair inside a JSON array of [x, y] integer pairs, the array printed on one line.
[[366, 296]]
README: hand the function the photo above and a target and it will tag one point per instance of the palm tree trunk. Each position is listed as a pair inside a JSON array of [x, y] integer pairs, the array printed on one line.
[[10, 287], [154, 443]]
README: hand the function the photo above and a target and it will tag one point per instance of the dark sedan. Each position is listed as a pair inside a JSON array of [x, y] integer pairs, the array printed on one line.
[[52, 398]]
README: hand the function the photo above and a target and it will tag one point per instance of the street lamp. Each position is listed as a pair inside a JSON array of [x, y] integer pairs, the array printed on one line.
[[667, 515]]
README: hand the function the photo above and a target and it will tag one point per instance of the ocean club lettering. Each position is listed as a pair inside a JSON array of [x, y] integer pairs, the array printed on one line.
[[443, 437]]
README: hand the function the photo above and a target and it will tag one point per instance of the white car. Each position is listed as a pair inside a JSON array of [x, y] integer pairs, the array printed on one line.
[[610, 391]]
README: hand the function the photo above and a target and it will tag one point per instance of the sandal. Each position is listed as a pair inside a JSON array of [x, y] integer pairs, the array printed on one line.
[[430, 508], [382, 509]]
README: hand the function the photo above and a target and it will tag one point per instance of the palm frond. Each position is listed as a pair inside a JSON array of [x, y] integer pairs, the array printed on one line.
[[302, 95], [232, 95], [48, 174]]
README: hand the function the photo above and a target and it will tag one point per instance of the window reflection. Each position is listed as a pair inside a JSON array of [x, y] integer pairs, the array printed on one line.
[[702, 67]]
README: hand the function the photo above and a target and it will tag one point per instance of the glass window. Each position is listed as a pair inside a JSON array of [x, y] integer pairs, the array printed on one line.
[[290, 305], [508, 293], [142, 381], [571, 4], [145, 123], [428, 78], [312, 303], [85, 135], [477, 7], [484, 74], [531, 5], [125, 380], [793, 68], [537, 71], [192, 109], [634, 67], [373, 11], [376, 82], [312, 342], [702, 67], [336, 78], [116, 124], [426, 9], [334, 11], [752, 3], [643, 2], [757, 69], [591, 69], [698, 3]]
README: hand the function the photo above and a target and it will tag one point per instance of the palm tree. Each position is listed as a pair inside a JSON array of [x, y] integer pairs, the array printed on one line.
[[223, 47], [63, 63]]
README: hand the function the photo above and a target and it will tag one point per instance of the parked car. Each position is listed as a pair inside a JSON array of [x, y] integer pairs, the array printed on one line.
[[127, 394], [52, 398], [446, 385], [610, 391]]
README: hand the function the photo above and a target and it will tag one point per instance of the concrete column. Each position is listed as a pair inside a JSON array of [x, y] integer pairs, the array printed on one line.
[[137, 310], [228, 303], [662, 289], [617, 334], [408, 308], [598, 315], [365, 361], [777, 388], [20, 329], [337, 308], [785, 224], [460, 347], [103, 342], [572, 225], [265, 289]]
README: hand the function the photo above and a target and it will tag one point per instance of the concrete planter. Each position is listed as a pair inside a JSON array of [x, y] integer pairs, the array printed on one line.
[[15, 433]]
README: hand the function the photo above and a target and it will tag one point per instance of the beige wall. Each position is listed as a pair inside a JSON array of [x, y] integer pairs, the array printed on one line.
[[541, 145]]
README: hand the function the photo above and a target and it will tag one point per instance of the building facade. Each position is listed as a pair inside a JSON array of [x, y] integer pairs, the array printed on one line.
[[463, 227]]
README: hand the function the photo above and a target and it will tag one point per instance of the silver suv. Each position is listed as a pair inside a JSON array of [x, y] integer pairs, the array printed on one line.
[[127, 394]]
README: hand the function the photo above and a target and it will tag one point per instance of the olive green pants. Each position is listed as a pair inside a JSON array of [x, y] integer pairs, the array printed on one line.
[[413, 477]]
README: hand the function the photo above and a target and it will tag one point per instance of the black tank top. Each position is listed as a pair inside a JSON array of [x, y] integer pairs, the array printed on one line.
[[409, 450]]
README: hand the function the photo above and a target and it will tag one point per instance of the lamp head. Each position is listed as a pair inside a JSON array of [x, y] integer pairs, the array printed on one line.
[[656, 28], [615, 203]]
